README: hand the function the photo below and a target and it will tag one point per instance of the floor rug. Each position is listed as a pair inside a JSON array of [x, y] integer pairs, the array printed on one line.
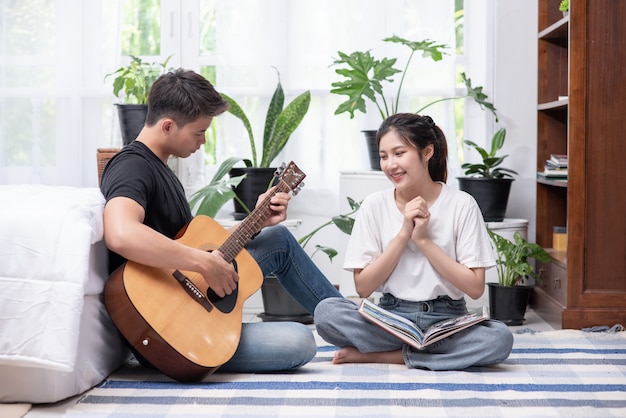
[[565, 373]]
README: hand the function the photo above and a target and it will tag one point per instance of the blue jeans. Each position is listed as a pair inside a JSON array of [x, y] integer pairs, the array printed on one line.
[[487, 343], [277, 346]]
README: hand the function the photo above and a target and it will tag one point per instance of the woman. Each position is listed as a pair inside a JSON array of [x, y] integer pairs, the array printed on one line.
[[423, 245]]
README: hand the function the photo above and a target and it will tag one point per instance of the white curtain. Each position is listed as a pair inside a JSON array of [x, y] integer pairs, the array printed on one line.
[[301, 39], [56, 109]]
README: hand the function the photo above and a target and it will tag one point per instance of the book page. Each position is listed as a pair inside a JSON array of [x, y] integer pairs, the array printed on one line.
[[410, 333]]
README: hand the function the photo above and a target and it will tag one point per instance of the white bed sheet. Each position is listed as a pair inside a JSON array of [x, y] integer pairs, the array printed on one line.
[[52, 261]]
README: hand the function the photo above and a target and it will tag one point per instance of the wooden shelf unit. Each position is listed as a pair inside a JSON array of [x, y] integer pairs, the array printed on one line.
[[581, 112]]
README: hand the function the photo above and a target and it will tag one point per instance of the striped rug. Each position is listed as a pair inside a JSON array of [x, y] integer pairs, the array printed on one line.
[[564, 373]]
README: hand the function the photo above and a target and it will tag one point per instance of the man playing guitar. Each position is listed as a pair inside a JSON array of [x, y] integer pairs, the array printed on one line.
[[146, 208]]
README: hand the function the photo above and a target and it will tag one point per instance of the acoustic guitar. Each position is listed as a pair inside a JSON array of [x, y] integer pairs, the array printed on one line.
[[171, 317]]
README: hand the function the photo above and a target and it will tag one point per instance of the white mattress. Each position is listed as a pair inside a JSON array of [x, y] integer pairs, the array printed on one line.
[[56, 339]]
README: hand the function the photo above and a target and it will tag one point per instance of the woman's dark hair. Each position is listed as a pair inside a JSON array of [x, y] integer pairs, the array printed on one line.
[[184, 96], [420, 131]]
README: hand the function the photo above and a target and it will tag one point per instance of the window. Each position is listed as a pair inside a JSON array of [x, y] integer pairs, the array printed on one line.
[[56, 109]]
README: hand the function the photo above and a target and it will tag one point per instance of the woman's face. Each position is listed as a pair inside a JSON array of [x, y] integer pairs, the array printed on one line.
[[401, 162]]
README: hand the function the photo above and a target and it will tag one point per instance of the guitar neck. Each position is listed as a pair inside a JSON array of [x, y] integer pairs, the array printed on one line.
[[250, 225]]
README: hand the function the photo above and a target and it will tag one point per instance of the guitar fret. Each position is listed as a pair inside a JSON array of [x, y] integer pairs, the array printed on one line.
[[249, 226]]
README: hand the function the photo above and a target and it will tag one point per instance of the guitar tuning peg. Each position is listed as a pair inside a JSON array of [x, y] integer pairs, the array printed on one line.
[[279, 171], [297, 189]]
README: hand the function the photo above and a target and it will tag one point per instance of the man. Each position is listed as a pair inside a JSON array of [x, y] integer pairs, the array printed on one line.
[[146, 207]]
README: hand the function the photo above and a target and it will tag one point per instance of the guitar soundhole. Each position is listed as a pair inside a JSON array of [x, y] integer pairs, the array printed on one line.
[[228, 302]]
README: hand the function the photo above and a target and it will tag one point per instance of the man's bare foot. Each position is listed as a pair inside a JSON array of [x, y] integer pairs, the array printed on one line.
[[352, 355]]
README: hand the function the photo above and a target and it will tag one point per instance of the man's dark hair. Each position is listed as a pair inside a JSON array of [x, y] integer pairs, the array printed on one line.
[[184, 96]]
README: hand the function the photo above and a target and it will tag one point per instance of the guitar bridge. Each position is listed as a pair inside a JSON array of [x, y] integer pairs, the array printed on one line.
[[192, 290]]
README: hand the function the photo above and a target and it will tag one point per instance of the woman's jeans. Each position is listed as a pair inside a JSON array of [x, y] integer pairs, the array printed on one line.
[[487, 343], [275, 346]]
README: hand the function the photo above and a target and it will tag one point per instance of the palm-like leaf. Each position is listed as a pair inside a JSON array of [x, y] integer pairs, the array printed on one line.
[[273, 110], [238, 112], [279, 123], [479, 97], [286, 123], [363, 78]]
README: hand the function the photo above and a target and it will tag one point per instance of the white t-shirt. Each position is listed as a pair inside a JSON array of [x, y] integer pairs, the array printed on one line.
[[456, 225]]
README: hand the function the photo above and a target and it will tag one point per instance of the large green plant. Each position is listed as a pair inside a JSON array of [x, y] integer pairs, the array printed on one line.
[[490, 165], [280, 123], [136, 79], [366, 78], [512, 262]]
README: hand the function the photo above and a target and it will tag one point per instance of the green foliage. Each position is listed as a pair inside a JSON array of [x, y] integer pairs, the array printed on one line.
[[140, 26], [136, 79], [564, 6], [512, 258], [280, 123], [489, 166], [344, 222], [210, 199], [364, 77]]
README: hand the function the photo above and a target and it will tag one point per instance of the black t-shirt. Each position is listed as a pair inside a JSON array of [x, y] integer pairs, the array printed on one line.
[[137, 173]]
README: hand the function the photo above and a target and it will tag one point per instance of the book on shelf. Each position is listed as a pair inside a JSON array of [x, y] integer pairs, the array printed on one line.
[[410, 333], [559, 157], [550, 164], [557, 161], [553, 173]]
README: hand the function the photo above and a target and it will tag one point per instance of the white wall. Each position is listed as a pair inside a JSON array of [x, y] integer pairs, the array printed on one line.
[[515, 93]]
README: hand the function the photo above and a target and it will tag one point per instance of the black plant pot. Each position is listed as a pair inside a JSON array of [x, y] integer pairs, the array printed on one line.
[[508, 303], [492, 195], [372, 149], [132, 118], [257, 182], [279, 305]]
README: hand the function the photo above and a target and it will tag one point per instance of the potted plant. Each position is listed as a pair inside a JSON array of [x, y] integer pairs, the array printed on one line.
[[509, 298], [564, 7], [366, 78], [486, 181], [131, 84], [280, 122]]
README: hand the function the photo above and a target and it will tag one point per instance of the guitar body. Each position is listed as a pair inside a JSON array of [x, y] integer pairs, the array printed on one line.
[[183, 338]]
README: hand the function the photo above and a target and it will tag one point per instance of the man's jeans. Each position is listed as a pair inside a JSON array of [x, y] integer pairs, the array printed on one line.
[[275, 346]]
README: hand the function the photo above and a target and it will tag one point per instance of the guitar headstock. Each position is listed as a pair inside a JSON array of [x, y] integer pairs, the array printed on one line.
[[291, 176]]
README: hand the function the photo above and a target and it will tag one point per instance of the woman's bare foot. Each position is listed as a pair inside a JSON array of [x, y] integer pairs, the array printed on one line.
[[352, 355]]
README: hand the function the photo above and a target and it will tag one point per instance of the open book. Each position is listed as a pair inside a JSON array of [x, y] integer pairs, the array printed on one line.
[[410, 333]]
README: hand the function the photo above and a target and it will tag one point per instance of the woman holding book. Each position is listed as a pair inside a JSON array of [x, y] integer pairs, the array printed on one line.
[[423, 245]]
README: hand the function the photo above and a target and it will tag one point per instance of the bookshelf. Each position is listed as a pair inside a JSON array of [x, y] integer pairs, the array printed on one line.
[[580, 112]]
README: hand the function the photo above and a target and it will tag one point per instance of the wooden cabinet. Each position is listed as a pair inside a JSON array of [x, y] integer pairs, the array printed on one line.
[[581, 112]]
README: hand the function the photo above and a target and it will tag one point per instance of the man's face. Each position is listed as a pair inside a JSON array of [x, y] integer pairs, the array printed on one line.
[[188, 139]]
